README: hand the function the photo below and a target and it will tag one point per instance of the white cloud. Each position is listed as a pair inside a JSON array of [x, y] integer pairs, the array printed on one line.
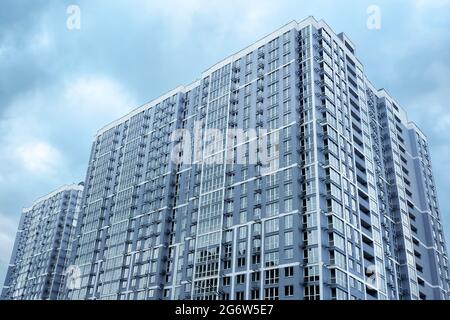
[[430, 107], [94, 95], [233, 17], [8, 228], [45, 133], [82, 103], [443, 123], [41, 41], [38, 157], [4, 49]]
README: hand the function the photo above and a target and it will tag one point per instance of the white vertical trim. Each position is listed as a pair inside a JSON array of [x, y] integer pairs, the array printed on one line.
[[225, 171], [316, 161]]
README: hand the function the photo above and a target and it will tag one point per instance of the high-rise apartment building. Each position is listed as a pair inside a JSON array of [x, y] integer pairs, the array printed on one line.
[[281, 173], [42, 246]]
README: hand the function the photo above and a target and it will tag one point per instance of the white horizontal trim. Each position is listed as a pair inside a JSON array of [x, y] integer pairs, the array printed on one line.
[[75, 187]]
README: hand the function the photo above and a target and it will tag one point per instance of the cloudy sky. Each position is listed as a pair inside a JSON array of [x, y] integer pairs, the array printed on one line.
[[58, 86]]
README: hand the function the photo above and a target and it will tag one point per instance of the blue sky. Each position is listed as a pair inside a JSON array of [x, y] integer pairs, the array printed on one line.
[[57, 87]]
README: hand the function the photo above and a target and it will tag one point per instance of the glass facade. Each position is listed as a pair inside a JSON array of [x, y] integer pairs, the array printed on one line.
[[281, 173], [42, 246], [333, 200]]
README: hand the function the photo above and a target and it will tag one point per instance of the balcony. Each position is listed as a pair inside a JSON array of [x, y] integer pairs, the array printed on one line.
[[369, 252]]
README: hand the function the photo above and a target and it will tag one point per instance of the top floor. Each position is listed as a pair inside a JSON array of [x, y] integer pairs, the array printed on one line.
[[39, 201]]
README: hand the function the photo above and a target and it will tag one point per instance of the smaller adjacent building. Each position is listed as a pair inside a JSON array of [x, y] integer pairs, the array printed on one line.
[[42, 246]]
